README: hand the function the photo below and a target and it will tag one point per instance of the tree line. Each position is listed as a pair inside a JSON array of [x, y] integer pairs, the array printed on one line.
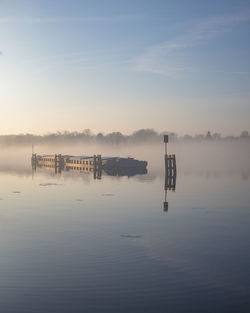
[[114, 138]]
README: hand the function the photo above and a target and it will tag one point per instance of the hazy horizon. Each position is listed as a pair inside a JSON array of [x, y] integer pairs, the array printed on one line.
[[127, 133], [141, 137]]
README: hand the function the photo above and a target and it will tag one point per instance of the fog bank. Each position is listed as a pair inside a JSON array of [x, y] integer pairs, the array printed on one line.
[[142, 136]]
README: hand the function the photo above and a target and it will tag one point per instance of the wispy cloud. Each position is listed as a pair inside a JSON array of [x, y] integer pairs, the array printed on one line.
[[162, 59], [65, 19], [91, 60]]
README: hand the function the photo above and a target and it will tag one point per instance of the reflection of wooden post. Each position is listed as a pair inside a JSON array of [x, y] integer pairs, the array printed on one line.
[[165, 204]]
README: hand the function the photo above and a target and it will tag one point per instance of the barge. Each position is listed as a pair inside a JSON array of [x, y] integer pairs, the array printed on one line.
[[115, 166]]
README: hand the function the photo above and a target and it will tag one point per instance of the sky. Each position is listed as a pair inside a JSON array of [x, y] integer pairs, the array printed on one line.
[[115, 65]]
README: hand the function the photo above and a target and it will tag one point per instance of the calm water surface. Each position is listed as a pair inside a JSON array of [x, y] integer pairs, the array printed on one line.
[[70, 243]]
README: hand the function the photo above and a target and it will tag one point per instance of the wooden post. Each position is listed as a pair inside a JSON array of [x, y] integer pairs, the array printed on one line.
[[99, 166], [170, 173], [166, 164], [94, 166], [165, 138], [33, 160], [58, 163], [165, 141], [174, 165], [171, 165], [55, 163], [174, 183]]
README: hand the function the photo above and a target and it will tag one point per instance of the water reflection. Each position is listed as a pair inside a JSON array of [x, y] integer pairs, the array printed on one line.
[[70, 239]]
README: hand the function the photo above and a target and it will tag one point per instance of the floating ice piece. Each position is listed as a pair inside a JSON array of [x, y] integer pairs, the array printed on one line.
[[50, 184], [131, 236]]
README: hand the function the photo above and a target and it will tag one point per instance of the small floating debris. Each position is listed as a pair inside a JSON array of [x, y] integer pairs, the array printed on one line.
[[198, 208], [79, 200], [107, 194], [131, 236], [16, 191], [50, 184]]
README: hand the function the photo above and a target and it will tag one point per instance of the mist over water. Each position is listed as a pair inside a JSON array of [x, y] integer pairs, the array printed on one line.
[[72, 243], [193, 158]]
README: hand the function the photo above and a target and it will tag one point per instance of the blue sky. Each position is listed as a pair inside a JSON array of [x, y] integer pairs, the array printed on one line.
[[180, 66]]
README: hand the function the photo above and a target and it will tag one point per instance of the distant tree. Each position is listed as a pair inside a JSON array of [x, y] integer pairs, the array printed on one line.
[[199, 137], [115, 138], [143, 135], [244, 134], [99, 137], [187, 138], [87, 132], [172, 136], [216, 136]]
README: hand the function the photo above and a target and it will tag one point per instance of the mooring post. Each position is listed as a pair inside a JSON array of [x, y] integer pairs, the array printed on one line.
[[33, 160], [165, 203], [171, 169], [94, 166], [166, 155], [170, 173], [60, 163], [99, 166], [57, 163], [165, 141], [174, 165], [33, 157], [174, 183]]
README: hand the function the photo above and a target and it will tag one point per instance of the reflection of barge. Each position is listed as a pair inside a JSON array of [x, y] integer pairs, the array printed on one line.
[[114, 166]]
